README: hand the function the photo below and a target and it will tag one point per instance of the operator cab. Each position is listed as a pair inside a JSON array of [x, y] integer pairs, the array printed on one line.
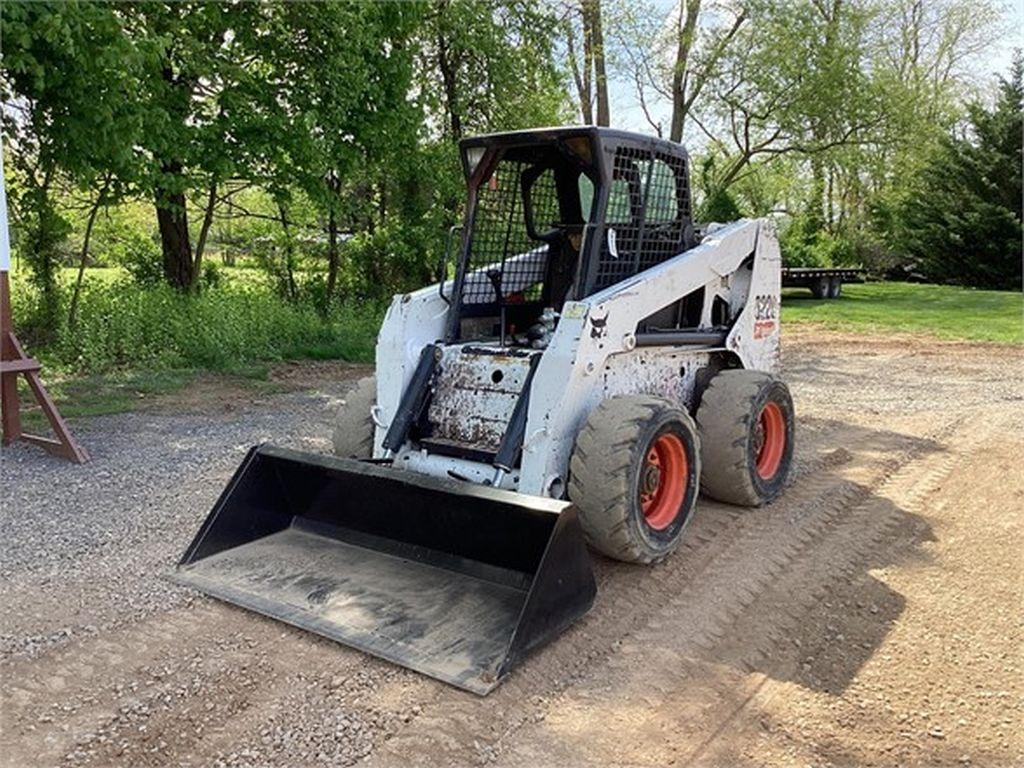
[[558, 214]]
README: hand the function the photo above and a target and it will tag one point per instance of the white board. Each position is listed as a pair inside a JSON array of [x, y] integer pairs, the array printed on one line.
[[5, 242]]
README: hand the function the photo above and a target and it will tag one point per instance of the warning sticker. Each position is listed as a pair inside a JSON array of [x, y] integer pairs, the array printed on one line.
[[574, 310]]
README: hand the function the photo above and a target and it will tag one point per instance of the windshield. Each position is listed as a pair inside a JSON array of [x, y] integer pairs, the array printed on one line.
[[526, 230]]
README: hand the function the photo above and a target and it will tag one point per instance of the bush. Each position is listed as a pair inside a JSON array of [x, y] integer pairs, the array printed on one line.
[[42, 231], [719, 207], [139, 255], [123, 324], [390, 260], [211, 275], [804, 245]]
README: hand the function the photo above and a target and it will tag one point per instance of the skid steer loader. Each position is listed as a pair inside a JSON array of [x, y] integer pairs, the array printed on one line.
[[591, 363]]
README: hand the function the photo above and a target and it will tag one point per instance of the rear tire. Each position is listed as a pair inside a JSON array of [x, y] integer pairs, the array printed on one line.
[[353, 427], [634, 477], [746, 424], [835, 288], [820, 287]]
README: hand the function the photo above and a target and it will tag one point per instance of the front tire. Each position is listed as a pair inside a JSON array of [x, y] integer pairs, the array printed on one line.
[[634, 477], [353, 427], [746, 423]]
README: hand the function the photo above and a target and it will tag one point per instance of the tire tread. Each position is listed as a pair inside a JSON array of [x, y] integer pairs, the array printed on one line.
[[599, 474], [353, 426]]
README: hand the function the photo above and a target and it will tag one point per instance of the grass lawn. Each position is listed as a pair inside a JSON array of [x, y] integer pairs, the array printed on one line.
[[117, 392], [944, 311]]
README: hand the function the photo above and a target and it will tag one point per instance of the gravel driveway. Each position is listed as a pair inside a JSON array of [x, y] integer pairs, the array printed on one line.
[[84, 546], [867, 617]]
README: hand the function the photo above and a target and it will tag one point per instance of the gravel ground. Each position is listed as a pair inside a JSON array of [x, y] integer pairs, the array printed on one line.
[[102, 534], [868, 617]]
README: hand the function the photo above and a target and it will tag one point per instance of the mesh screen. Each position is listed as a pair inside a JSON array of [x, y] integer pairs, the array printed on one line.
[[500, 238], [648, 209]]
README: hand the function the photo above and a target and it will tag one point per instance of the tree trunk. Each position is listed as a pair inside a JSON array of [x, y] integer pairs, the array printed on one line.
[[84, 256], [684, 45], [830, 208], [588, 62], [592, 20], [204, 232], [43, 243], [816, 207], [730, 175], [332, 255], [581, 79], [448, 79], [172, 220], [289, 254]]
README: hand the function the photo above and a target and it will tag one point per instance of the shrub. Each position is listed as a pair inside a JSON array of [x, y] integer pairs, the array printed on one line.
[[123, 324], [139, 255], [390, 260], [211, 275], [805, 245]]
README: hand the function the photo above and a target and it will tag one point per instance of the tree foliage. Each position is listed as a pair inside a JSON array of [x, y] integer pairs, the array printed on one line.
[[66, 82], [962, 221], [346, 114], [320, 138]]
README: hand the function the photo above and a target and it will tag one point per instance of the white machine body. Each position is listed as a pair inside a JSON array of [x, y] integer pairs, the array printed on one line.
[[593, 353]]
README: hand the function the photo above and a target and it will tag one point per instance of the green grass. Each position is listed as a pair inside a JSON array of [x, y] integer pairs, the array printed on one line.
[[942, 311], [68, 275], [134, 344], [124, 326], [101, 394]]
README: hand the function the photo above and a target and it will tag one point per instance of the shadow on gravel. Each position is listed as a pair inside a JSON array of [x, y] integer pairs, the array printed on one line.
[[853, 436], [889, 749], [841, 611]]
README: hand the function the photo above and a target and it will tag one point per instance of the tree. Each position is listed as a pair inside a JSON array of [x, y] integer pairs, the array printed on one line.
[[671, 58], [207, 109], [791, 84], [347, 125], [693, 67], [68, 118], [594, 35], [495, 65], [962, 224], [588, 58], [480, 67], [923, 59]]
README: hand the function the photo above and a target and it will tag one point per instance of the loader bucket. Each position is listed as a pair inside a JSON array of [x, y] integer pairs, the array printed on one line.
[[455, 580]]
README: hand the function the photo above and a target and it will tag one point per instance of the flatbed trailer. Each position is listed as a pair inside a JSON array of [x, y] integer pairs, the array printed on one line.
[[823, 282]]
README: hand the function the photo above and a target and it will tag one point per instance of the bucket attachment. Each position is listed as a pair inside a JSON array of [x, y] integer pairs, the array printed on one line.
[[454, 580]]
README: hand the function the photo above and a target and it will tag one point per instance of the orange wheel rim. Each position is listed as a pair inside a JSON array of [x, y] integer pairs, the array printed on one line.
[[770, 441], [664, 478]]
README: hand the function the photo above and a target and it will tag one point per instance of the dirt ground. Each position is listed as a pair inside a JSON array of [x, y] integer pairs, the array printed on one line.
[[872, 616]]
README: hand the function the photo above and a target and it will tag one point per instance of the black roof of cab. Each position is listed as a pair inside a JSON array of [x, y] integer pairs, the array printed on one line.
[[604, 139]]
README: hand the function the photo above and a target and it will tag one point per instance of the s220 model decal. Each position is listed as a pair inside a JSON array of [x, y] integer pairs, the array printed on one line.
[[766, 307], [766, 312]]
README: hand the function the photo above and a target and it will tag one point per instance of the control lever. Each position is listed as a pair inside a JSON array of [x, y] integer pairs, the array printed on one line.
[[494, 275]]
